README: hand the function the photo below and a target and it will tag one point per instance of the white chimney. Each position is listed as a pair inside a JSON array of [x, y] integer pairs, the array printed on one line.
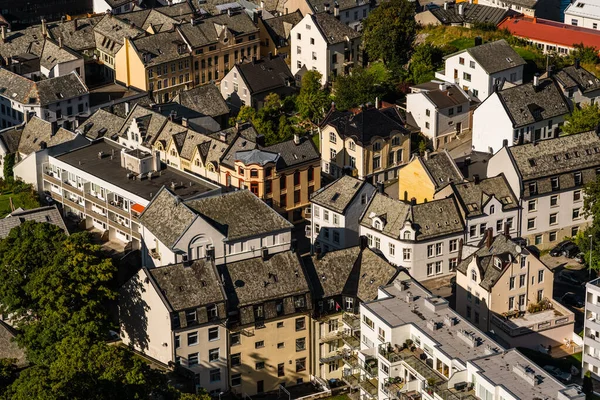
[[460, 9], [445, 5], [536, 80]]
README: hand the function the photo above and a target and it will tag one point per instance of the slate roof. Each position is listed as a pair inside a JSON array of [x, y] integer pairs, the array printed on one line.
[[150, 17], [110, 33], [178, 10], [77, 34], [451, 96], [350, 272], [526, 105], [556, 156], [339, 194], [37, 131], [53, 54], [319, 5], [205, 99], [256, 156], [161, 47], [581, 78], [8, 347], [332, 29], [266, 74], [101, 123], [186, 287], [279, 28], [429, 220], [11, 137], [472, 13], [473, 196], [240, 144], [442, 169], [364, 126], [60, 88], [49, 215], [152, 121], [494, 56], [251, 281], [292, 154], [239, 214], [206, 31], [26, 41]]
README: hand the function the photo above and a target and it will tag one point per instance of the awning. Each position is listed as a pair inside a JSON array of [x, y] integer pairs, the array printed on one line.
[[138, 208]]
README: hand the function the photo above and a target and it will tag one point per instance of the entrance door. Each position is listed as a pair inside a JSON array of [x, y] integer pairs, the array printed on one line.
[[260, 386], [458, 127]]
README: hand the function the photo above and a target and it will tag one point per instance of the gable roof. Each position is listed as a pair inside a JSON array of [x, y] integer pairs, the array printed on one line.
[[77, 34], [441, 169], [577, 76], [474, 195], [450, 96], [53, 54], [110, 33], [279, 28], [11, 137], [494, 56], [332, 29], [338, 194], [266, 74], [8, 347], [48, 214], [471, 13], [160, 48], [205, 99], [101, 123], [292, 154], [208, 30], [37, 133]]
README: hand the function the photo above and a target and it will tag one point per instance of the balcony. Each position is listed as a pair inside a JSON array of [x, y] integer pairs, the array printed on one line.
[[331, 337], [411, 358], [350, 360], [73, 204], [351, 320], [117, 209], [352, 379], [52, 178], [370, 386], [393, 387], [550, 315], [370, 367], [351, 340], [72, 188], [331, 356]]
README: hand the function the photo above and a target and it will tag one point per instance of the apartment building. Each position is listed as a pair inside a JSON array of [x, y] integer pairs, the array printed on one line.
[[584, 14], [61, 99], [526, 113], [335, 213], [440, 110], [414, 345], [426, 175], [548, 178], [107, 186], [269, 310], [229, 227], [340, 280], [176, 315], [349, 13], [323, 43], [275, 34], [591, 336], [485, 203], [284, 175], [372, 144], [505, 288], [423, 238], [477, 69], [579, 85]]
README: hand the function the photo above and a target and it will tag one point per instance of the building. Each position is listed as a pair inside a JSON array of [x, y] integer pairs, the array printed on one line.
[[251, 82], [461, 14], [175, 315], [578, 85], [371, 144], [49, 214], [101, 124], [269, 313], [505, 288], [340, 280], [530, 112], [323, 43], [548, 178], [414, 345], [284, 175], [485, 204], [207, 101], [59, 100], [335, 212], [586, 15], [228, 227], [38, 9], [550, 36], [426, 175], [107, 186], [532, 8], [423, 238], [275, 34], [115, 6], [477, 69], [349, 13], [591, 332], [441, 110]]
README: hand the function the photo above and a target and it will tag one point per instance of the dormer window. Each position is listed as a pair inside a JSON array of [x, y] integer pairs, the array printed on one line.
[[474, 275], [407, 235], [377, 225], [497, 263], [492, 209]]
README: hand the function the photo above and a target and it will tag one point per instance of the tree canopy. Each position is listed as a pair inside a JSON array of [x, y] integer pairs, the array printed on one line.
[[582, 119], [359, 88], [312, 100], [272, 119], [591, 208]]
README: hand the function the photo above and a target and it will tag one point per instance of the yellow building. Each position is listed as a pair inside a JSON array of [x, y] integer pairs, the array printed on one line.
[[269, 304], [275, 34], [424, 176]]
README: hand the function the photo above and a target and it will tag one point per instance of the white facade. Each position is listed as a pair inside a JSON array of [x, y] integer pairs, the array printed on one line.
[[102, 6], [508, 6], [591, 337], [583, 13], [65, 68], [233, 85]]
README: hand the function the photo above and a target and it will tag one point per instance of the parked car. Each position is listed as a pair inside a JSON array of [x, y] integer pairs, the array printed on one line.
[[568, 277], [573, 300], [557, 373], [570, 250], [558, 249]]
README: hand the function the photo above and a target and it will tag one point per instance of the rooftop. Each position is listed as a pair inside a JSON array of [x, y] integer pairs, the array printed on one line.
[[161, 47], [279, 27], [208, 30], [8, 347], [319, 5], [332, 29], [494, 56], [205, 99], [38, 134], [266, 74], [474, 194], [49, 215], [577, 77], [441, 169], [44, 92], [108, 169], [448, 96], [583, 8], [339, 194], [100, 124], [472, 13]]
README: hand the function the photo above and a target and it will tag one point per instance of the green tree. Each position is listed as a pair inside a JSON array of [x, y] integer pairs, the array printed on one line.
[[203, 395], [359, 88], [389, 32], [585, 54], [8, 372], [312, 99], [271, 120], [425, 60], [582, 119], [591, 208], [9, 163]]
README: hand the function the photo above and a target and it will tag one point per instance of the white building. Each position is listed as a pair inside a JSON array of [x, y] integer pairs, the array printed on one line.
[[114, 6], [322, 43], [423, 238], [58, 60], [591, 336], [579, 85], [477, 69], [441, 110], [526, 113], [583, 13], [335, 213], [548, 177]]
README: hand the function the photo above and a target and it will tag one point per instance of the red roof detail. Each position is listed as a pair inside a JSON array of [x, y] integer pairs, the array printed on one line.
[[138, 208]]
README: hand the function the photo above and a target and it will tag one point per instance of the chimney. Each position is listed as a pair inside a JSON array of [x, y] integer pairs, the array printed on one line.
[[296, 139], [536, 80], [413, 201], [60, 42], [446, 5], [126, 104], [364, 242], [489, 237], [377, 103], [326, 7], [460, 9], [577, 63], [381, 187], [262, 5], [426, 156], [336, 10], [75, 24], [478, 41], [476, 179], [54, 127], [3, 29], [184, 122], [260, 140], [44, 28], [505, 143]]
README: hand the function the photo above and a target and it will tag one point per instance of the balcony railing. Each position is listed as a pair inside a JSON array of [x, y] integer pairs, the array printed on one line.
[[351, 340], [331, 337], [351, 320], [396, 354], [350, 360], [370, 386]]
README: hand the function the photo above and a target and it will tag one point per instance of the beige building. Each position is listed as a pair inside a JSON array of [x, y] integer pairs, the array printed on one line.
[[275, 34], [371, 144], [504, 288]]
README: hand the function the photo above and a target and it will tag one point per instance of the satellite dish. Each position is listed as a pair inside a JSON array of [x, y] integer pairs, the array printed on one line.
[[518, 249]]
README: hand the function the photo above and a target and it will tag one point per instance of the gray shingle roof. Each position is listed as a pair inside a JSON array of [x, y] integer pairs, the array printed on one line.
[[279, 28], [496, 56], [319, 5], [473, 196], [349, 272], [186, 287], [78, 34], [332, 29], [450, 96], [442, 169], [207, 31], [292, 154], [151, 17], [11, 137], [37, 132], [239, 214], [25, 41], [526, 105], [241, 143], [394, 212], [101, 123], [339, 194], [582, 78], [49, 215], [152, 121], [256, 156], [472, 13], [53, 54], [266, 74], [8, 347], [110, 33], [205, 99], [160, 48]]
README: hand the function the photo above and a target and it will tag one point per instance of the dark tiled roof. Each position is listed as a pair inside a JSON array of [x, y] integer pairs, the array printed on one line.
[[152, 17], [11, 137], [25, 41], [49, 215], [240, 144], [37, 133], [53, 54], [78, 34], [472, 13], [527, 105], [496, 56], [101, 123], [266, 74], [178, 10], [152, 121], [239, 214], [292, 154], [394, 212], [110, 33], [450, 96], [161, 47], [339, 194], [61, 88], [279, 27], [251, 281], [207, 31], [442, 169], [186, 287], [205, 99], [332, 29], [582, 78], [319, 5], [349, 272], [473, 196]]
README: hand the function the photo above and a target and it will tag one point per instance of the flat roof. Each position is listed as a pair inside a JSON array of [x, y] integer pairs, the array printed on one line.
[[396, 312], [108, 168]]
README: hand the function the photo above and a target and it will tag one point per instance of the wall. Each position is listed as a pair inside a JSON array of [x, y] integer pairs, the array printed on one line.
[[319, 48], [590, 21], [129, 67], [414, 182], [501, 162], [234, 85], [488, 135]]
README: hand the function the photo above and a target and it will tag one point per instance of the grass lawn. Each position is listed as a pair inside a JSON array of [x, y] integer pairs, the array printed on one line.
[[23, 199], [526, 53], [463, 43], [542, 359]]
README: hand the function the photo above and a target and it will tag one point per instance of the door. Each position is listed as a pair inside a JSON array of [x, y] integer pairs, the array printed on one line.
[[260, 386], [458, 127]]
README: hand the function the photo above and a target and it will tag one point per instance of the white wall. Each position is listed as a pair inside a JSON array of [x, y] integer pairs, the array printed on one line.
[[491, 125], [501, 162], [228, 88], [307, 29], [573, 17], [491, 221]]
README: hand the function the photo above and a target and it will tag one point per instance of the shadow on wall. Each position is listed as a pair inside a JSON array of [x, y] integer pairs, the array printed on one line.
[[133, 313]]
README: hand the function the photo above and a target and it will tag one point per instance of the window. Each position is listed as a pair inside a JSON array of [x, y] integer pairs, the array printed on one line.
[[392, 250], [458, 109], [531, 223], [259, 344], [474, 275], [376, 162], [280, 369], [298, 49], [521, 280], [259, 365], [300, 324], [553, 219], [336, 237], [406, 254], [482, 228], [370, 238], [332, 154], [467, 77], [430, 269], [538, 239], [236, 359], [236, 379], [192, 359], [336, 219], [280, 325], [533, 188], [451, 111], [574, 230], [234, 338], [314, 55], [452, 263], [298, 36], [325, 215], [461, 61], [430, 250], [509, 223], [576, 213], [577, 195], [427, 125], [213, 334], [554, 200], [578, 179], [472, 64], [427, 112], [301, 344], [439, 249], [555, 183], [540, 276], [453, 245], [473, 231], [177, 341], [368, 322], [281, 345], [406, 235], [192, 339], [377, 243], [213, 355], [301, 364], [438, 267], [499, 225], [532, 205], [552, 236]]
